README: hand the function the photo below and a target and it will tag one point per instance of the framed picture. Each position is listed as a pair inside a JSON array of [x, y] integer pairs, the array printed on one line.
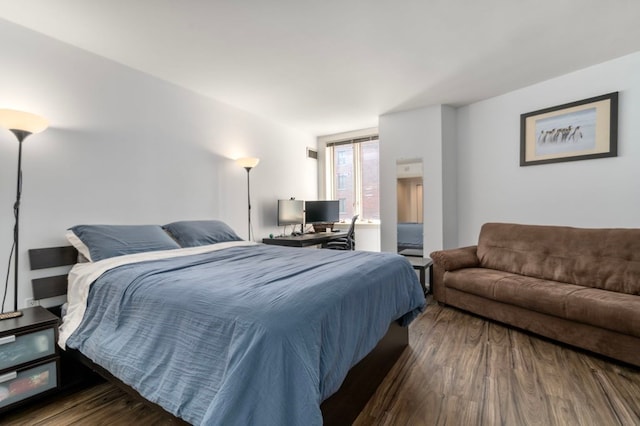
[[576, 131]]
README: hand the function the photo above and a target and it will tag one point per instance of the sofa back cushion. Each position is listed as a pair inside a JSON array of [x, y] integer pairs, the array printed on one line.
[[608, 259]]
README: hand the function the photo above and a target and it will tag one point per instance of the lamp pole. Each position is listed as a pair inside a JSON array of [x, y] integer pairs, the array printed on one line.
[[21, 135], [248, 169]]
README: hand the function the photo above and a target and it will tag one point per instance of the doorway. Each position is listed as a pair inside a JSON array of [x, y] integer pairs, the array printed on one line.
[[410, 205]]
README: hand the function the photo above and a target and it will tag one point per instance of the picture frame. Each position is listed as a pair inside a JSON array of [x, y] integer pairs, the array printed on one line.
[[579, 130]]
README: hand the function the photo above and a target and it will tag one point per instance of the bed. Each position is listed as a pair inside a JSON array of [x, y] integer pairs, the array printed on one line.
[[223, 331]]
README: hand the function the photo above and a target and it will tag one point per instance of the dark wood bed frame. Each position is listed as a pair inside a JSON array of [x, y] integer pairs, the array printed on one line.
[[342, 408]]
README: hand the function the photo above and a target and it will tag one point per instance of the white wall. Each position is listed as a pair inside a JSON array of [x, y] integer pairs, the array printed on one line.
[[127, 148], [449, 178], [590, 193], [416, 134]]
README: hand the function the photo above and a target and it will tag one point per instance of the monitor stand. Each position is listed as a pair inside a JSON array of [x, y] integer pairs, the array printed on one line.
[[323, 227], [295, 233]]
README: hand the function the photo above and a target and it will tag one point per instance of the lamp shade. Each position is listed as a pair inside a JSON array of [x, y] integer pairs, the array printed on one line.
[[248, 162], [23, 121]]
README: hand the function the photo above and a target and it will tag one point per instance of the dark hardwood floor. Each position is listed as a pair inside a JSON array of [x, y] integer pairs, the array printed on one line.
[[465, 370], [459, 370]]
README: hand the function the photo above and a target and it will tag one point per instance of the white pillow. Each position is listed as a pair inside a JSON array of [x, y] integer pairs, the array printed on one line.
[[78, 244]]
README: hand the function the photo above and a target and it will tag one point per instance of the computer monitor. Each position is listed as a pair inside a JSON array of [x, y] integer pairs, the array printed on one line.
[[327, 211], [290, 212]]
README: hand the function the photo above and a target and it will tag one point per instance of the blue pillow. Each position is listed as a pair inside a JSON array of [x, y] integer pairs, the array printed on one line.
[[194, 233], [98, 242]]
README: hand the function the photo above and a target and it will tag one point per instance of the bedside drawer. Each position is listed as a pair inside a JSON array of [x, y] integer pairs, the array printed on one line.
[[18, 349], [22, 384]]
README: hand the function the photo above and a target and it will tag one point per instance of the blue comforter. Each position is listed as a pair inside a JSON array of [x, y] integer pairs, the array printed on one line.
[[245, 335]]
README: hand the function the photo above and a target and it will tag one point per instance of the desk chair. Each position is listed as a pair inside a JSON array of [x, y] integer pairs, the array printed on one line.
[[348, 242]]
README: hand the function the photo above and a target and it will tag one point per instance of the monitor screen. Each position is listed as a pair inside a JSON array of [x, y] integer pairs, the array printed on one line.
[[322, 211], [290, 212]]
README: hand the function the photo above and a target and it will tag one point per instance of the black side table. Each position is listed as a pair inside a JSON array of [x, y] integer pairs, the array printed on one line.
[[421, 264]]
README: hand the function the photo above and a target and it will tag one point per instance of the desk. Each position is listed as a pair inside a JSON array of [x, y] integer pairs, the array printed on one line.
[[304, 240]]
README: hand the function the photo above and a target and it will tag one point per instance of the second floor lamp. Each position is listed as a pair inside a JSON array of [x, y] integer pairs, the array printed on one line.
[[248, 163]]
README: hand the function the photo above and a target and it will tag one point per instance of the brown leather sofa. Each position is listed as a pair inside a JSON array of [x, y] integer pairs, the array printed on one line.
[[575, 285]]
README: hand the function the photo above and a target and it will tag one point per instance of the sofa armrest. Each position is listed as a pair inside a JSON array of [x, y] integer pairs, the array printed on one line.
[[450, 260]]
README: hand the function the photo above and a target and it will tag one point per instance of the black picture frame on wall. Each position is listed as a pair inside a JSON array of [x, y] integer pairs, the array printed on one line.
[[579, 130]]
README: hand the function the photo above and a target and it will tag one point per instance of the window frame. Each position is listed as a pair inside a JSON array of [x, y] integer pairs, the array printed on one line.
[[331, 179]]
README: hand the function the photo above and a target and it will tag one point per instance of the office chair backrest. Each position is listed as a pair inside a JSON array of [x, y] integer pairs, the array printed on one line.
[[348, 242], [351, 237]]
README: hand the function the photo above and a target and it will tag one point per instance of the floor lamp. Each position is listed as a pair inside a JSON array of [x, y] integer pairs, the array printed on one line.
[[21, 124], [248, 163]]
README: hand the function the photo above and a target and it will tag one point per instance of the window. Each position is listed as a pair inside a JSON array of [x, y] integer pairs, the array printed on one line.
[[353, 177]]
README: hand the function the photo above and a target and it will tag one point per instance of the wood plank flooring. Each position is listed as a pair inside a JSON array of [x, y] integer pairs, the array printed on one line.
[[459, 370], [465, 370], [102, 404]]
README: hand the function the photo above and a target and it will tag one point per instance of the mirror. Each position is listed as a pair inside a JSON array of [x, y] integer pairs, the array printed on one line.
[[410, 206]]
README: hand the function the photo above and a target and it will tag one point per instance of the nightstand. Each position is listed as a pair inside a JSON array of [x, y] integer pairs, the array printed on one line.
[[29, 361]]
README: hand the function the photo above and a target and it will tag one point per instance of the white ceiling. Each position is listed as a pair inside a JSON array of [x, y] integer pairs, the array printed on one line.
[[331, 66]]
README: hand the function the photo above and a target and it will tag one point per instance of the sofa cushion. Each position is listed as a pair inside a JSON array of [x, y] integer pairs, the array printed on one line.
[[608, 259], [478, 281], [614, 311], [544, 296]]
